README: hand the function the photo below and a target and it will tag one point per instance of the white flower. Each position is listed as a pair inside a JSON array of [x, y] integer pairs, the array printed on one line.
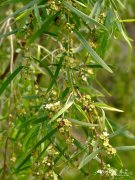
[[105, 133], [113, 172], [48, 106], [99, 171], [57, 103], [84, 78]]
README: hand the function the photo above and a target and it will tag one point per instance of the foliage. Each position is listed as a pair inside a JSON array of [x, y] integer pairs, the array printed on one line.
[[53, 117]]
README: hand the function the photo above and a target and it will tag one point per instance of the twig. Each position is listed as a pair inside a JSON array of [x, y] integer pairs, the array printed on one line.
[[11, 95]]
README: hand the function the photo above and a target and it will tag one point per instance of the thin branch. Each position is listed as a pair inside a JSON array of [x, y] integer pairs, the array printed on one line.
[[10, 102]]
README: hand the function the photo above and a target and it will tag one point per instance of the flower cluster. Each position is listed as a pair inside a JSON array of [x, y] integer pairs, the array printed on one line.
[[108, 171], [105, 140], [70, 26], [85, 72], [64, 125], [44, 168], [54, 107], [54, 5], [87, 103]]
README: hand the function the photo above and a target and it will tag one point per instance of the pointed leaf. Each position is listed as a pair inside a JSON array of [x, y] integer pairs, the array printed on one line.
[[106, 107], [9, 79], [125, 148], [81, 111], [81, 123], [94, 55], [67, 106], [88, 158], [85, 17]]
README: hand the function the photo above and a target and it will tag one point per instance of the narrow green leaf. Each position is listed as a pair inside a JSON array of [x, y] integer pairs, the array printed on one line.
[[28, 137], [81, 123], [85, 17], [96, 9], [88, 159], [46, 67], [81, 111], [9, 79], [23, 14], [50, 134], [21, 162], [24, 160], [102, 87], [43, 28], [118, 132], [33, 121], [81, 4], [56, 74], [9, 33], [55, 176], [31, 97], [123, 33], [64, 93], [106, 107], [121, 4], [30, 4], [94, 55], [128, 134], [126, 20], [125, 148], [37, 15], [67, 106]]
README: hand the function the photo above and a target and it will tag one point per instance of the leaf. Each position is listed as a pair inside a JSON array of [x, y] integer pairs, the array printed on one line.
[[46, 67], [94, 55], [21, 162], [55, 176], [96, 9], [56, 74], [123, 33], [126, 20], [37, 15], [85, 17], [9, 79], [81, 4], [88, 159], [128, 134], [67, 106], [106, 107], [9, 33], [33, 121], [102, 87], [43, 28], [28, 137], [90, 90], [125, 148], [30, 97], [121, 4], [115, 133], [27, 157], [81, 111], [31, 3], [81, 123], [64, 93], [6, 2], [50, 134]]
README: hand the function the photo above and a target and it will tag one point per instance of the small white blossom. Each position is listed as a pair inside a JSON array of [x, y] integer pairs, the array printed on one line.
[[113, 172], [48, 106], [99, 171], [105, 133], [84, 78]]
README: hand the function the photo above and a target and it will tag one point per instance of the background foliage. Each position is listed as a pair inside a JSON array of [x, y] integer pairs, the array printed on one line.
[[60, 103]]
